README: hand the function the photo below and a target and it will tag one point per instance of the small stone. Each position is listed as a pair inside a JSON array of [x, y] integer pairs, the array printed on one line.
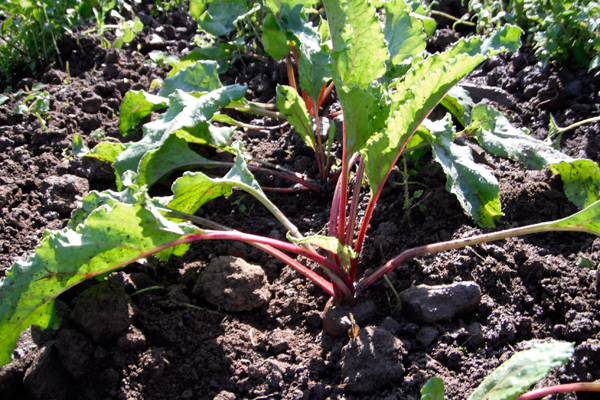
[[53, 77], [146, 19], [426, 335], [390, 325], [233, 285], [278, 341], [123, 85], [153, 42], [336, 319], [75, 352], [11, 375], [112, 57], [225, 395], [111, 71], [371, 361], [61, 192], [91, 105], [134, 339], [154, 362], [44, 379], [580, 327], [5, 194], [6, 143], [169, 32], [104, 311], [90, 122], [430, 304]]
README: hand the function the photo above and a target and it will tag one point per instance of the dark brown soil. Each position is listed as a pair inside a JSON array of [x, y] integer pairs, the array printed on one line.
[[180, 347]]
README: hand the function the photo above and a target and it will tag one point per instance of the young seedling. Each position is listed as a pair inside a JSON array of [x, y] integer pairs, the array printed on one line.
[[386, 92]]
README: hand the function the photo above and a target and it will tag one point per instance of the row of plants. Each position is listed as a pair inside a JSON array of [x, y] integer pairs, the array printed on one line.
[[561, 31], [30, 31], [386, 86]]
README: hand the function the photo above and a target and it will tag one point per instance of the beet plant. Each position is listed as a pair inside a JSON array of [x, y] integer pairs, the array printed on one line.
[[385, 102]]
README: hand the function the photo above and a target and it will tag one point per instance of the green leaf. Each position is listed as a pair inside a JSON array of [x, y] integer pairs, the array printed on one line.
[[107, 151], [172, 155], [417, 94], [523, 370], [186, 117], [330, 244], [79, 147], [404, 33], [313, 63], [277, 5], [194, 189], [274, 38], [137, 105], [109, 239], [365, 113], [433, 389], [581, 178], [294, 109], [429, 24], [476, 187], [359, 50], [497, 136], [460, 104], [196, 8], [21, 109], [471, 51], [218, 19], [3, 99], [215, 53], [41, 105], [131, 195], [581, 181], [198, 77]]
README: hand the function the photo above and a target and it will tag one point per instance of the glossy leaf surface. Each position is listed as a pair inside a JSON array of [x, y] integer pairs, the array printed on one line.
[[476, 187], [581, 178], [293, 107], [136, 106], [523, 370]]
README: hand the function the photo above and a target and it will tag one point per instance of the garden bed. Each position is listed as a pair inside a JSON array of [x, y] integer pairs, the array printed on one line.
[[176, 344]]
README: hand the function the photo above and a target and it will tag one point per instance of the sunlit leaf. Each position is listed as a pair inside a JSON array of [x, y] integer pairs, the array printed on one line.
[[330, 244], [200, 76], [218, 19], [111, 237], [581, 178], [433, 389], [274, 38], [172, 155], [475, 187], [404, 33], [79, 147], [581, 181], [460, 104], [186, 117], [523, 370], [137, 105], [359, 50], [294, 109]]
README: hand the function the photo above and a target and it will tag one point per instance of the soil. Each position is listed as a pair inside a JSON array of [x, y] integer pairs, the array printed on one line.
[[169, 342]]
